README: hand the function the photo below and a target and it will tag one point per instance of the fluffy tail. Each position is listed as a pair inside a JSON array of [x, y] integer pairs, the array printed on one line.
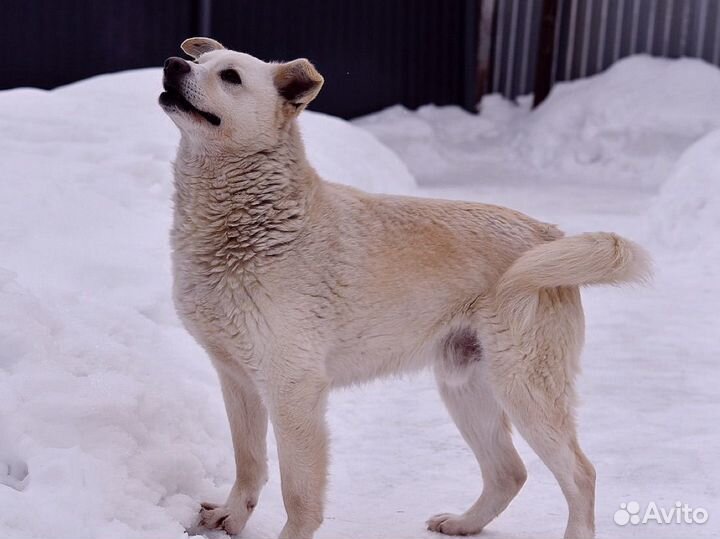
[[586, 259]]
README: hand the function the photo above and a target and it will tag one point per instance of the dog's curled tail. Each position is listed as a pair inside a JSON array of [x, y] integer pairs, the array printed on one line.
[[585, 259]]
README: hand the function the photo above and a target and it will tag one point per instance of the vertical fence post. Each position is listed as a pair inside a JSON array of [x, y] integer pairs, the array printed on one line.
[[544, 63], [204, 16], [485, 41], [470, 52]]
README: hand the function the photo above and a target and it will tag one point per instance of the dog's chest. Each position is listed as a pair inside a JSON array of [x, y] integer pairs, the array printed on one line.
[[224, 251], [227, 305]]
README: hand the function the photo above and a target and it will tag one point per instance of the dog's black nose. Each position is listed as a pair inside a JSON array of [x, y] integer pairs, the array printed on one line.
[[176, 66]]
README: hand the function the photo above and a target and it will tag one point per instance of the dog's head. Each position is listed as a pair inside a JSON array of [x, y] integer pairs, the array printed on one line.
[[230, 99]]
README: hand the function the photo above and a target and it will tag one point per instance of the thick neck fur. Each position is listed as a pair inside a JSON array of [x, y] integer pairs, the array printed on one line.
[[235, 209]]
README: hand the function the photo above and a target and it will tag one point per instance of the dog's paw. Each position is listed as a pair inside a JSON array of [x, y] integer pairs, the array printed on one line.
[[231, 516], [222, 517], [450, 524]]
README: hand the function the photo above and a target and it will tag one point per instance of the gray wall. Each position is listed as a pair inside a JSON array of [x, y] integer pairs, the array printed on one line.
[[592, 34]]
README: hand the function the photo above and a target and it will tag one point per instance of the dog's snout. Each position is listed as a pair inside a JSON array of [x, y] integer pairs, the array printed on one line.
[[175, 66]]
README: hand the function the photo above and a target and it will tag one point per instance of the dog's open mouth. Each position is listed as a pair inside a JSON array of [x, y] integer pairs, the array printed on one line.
[[172, 98]]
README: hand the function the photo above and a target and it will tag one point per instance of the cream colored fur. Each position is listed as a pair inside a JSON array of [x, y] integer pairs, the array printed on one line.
[[295, 286]]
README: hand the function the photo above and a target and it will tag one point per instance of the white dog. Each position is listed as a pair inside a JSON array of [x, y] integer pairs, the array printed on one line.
[[295, 286]]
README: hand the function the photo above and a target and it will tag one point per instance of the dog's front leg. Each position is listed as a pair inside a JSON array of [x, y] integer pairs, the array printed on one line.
[[248, 425], [298, 417]]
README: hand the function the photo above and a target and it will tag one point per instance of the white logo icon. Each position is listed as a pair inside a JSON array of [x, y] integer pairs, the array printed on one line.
[[628, 512]]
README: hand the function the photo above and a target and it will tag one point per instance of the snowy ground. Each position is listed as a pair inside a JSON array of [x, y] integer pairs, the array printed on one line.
[[111, 421]]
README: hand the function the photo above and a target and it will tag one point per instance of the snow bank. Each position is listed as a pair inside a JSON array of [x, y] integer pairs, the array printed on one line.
[[635, 118], [437, 143], [111, 421], [628, 124], [686, 213], [346, 154]]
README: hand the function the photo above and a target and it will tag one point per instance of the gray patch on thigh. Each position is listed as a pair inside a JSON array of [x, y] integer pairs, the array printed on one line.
[[462, 347], [459, 350]]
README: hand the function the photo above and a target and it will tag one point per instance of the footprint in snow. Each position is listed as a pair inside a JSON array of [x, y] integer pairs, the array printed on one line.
[[14, 473]]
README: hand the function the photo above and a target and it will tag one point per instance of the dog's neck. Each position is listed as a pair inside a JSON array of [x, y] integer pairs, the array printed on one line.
[[234, 208]]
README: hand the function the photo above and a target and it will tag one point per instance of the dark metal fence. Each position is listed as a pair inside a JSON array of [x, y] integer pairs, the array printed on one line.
[[54, 42], [373, 53]]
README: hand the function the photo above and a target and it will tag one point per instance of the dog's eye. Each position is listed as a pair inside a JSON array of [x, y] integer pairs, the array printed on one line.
[[231, 76]]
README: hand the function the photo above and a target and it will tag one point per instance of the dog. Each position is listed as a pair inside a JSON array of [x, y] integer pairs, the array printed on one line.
[[295, 286]]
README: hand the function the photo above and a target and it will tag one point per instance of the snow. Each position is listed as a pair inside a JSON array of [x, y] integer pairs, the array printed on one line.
[[687, 210], [624, 126], [111, 419]]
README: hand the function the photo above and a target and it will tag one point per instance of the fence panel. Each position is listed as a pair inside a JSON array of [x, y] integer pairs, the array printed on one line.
[[373, 53], [56, 42], [592, 34]]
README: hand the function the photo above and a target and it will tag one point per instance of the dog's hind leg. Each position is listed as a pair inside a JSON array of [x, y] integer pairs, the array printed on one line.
[[535, 387], [483, 424], [551, 434]]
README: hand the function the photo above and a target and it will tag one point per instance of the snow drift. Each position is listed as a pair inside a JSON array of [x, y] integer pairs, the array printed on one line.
[[629, 123], [686, 213], [635, 118]]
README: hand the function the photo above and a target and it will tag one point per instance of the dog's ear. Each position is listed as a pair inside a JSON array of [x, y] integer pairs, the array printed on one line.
[[298, 83], [195, 46]]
